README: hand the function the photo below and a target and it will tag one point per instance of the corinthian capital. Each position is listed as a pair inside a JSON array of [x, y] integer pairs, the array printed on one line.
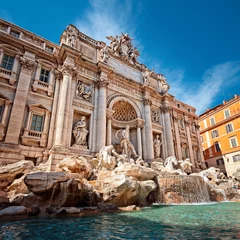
[[27, 65], [166, 108], [68, 70], [102, 83], [147, 101]]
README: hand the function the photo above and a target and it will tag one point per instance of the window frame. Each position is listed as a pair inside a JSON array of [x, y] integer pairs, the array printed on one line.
[[230, 140], [212, 118], [7, 62], [224, 111], [219, 147], [238, 158], [44, 75], [215, 130], [219, 161], [229, 124], [42, 122]]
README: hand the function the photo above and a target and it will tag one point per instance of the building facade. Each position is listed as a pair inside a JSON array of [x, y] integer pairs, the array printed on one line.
[[74, 98], [220, 134]]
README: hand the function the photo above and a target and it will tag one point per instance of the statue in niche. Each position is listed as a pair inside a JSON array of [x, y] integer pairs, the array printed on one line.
[[104, 54], [127, 147], [146, 76], [157, 143], [80, 132], [83, 91]]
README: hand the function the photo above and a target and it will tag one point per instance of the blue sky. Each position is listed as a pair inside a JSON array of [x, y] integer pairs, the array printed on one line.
[[195, 44]]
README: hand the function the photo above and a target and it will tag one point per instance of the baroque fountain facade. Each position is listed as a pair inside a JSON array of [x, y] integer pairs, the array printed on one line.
[[84, 123]]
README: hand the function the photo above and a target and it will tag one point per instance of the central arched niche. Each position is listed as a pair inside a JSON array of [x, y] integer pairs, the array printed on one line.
[[124, 114], [123, 111]]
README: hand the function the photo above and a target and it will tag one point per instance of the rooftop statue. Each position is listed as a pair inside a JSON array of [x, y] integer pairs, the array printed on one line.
[[121, 46]]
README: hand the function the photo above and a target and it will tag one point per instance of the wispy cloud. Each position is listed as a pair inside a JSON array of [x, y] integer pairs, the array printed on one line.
[[213, 83], [107, 17], [6, 15]]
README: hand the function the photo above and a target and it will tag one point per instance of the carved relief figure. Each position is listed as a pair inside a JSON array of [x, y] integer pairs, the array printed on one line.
[[155, 116], [104, 54], [146, 76], [157, 146], [80, 132], [83, 91], [127, 147]]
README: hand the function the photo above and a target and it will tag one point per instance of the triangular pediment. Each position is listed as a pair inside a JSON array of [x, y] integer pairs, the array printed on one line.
[[38, 106]]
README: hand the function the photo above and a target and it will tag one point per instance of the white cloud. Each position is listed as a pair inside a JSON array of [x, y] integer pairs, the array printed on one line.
[[6, 15], [203, 94], [107, 17]]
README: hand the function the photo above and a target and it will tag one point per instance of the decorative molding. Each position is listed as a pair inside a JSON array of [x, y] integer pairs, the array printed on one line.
[[147, 101], [27, 65], [102, 83]]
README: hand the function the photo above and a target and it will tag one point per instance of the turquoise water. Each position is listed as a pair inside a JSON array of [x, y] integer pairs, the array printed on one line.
[[213, 221]]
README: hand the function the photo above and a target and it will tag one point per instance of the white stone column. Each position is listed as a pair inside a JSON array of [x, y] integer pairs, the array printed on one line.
[[179, 150], [200, 146], [148, 129], [51, 80], [45, 127], [109, 131], [168, 130], [101, 114], [61, 115], [1, 56], [29, 119], [54, 110], [189, 141], [13, 78], [139, 140], [19, 104], [5, 112]]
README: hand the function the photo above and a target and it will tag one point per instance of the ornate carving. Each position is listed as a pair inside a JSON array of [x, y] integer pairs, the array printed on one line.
[[104, 54], [124, 111], [122, 47], [146, 76], [102, 83], [155, 116], [184, 145], [27, 65], [166, 108], [80, 132], [147, 101], [83, 91], [163, 85], [67, 69]]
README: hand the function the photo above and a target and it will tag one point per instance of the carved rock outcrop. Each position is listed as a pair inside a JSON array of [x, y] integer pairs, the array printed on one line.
[[11, 171], [136, 172], [76, 165]]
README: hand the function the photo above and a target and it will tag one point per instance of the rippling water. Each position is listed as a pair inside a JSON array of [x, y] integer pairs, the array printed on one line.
[[212, 221]]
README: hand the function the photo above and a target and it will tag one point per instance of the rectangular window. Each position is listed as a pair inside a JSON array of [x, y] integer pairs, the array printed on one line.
[[236, 158], [44, 75], [220, 161], [226, 113], [233, 142], [15, 34], [37, 123], [229, 128], [49, 49], [214, 133], [212, 120], [7, 62], [217, 147]]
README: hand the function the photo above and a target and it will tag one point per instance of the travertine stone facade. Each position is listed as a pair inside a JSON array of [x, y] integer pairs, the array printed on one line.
[[73, 98]]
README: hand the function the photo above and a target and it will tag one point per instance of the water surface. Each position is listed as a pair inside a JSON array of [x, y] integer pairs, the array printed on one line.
[[211, 221]]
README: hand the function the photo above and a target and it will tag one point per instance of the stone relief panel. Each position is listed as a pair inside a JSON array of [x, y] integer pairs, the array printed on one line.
[[155, 115], [83, 91]]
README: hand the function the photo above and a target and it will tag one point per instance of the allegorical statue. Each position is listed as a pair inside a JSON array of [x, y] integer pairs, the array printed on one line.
[[127, 147], [104, 54], [146, 76], [157, 146], [80, 132], [83, 91]]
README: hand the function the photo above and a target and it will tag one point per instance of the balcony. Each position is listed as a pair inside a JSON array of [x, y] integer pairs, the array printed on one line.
[[9, 75], [40, 85], [31, 137]]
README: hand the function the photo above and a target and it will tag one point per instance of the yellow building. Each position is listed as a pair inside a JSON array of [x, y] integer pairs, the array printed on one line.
[[220, 136]]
